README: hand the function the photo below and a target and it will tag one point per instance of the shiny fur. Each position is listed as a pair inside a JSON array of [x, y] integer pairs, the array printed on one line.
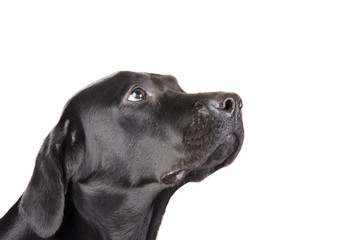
[[109, 167]]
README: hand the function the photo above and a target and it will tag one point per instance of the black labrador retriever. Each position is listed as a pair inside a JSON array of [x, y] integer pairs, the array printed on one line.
[[120, 150]]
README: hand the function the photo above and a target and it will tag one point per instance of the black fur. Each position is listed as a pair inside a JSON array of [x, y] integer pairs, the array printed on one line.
[[109, 167]]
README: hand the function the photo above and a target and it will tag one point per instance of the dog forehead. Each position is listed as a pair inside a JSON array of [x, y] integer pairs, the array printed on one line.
[[122, 81], [113, 88], [127, 79], [165, 82]]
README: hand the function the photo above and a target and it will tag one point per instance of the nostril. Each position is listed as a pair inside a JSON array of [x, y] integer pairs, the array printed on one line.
[[229, 104]]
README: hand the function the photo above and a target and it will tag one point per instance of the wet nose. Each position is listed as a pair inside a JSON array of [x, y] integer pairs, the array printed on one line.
[[227, 102]]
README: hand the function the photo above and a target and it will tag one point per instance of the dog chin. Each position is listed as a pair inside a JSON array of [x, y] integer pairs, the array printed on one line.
[[222, 156]]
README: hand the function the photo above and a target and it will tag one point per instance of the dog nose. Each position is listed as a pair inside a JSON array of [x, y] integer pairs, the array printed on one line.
[[227, 102]]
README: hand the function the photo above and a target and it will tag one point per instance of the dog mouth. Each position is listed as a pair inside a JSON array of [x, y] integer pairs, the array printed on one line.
[[222, 156], [223, 153]]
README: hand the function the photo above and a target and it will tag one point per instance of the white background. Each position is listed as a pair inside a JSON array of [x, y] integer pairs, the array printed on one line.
[[296, 64]]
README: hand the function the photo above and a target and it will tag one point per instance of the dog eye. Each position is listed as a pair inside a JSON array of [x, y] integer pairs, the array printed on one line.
[[137, 94]]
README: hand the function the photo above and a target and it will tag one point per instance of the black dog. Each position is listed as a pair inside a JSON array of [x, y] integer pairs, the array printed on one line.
[[121, 148]]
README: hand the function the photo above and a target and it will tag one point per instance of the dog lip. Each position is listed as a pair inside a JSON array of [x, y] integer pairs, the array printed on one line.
[[222, 156], [173, 177], [233, 155], [223, 152]]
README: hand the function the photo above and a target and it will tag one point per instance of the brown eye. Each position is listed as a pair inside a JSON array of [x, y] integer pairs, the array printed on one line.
[[137, 94]]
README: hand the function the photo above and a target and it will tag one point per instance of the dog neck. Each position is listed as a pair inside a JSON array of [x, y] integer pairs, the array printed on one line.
[[134, 213]]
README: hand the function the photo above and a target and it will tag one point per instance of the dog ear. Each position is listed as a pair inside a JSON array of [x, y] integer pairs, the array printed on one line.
[[42, 204]]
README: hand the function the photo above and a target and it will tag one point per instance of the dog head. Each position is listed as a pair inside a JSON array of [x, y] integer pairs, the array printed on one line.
[[132, 130]]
